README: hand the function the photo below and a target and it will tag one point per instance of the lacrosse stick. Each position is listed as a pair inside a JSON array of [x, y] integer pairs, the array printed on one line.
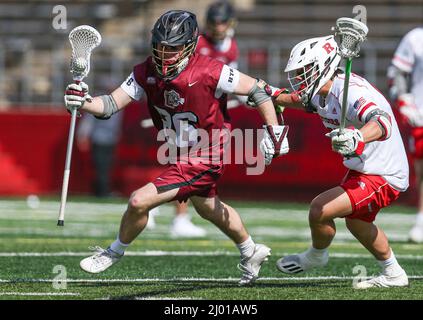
[[83, 40], [351, 32]]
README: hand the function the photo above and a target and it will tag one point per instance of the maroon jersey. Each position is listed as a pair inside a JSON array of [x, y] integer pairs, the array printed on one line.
[[194, 100], [191, 96], [225, 51]]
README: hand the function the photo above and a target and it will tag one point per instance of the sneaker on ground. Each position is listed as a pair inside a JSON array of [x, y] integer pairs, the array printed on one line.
[[384, 281], [182, 227], [250, 266], [416, 234], [297, 263], [101, 260]]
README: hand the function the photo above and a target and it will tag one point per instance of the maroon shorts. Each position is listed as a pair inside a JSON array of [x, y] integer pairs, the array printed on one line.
[[368, 194], [416, 142], [192, 180]]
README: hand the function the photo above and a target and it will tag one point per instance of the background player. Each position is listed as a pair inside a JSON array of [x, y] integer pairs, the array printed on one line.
[[372, 149], [218, 39], [183, 88], [100, 138], [406, 89]]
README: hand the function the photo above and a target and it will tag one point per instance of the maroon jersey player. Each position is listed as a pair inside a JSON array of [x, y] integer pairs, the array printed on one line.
[[183, 90], [217, 41]]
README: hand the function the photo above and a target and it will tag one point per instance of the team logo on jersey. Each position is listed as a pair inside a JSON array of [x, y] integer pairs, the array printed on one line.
[[330, 122], [172, 99], [151, 80]]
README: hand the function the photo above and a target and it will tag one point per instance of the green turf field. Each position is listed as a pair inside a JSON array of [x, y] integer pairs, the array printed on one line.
[[159, 267]]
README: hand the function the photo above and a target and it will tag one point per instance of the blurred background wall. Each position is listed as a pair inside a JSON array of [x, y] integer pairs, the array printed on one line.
[[34, 60]]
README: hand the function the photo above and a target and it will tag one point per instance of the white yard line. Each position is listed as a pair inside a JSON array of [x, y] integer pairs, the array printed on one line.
[[156, 253], [147, 253], [167, 298], [138, 280], [39, 294]]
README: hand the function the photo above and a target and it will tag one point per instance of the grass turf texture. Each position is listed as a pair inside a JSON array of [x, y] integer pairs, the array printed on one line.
[[159, 267]]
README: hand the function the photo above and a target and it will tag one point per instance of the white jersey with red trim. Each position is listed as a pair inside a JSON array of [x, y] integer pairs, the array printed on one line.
[[409, 58], [386, 158]]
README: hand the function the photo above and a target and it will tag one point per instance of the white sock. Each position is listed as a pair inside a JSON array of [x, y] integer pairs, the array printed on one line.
[[247, 247], [316, 254], [390, 266], [118, 246]]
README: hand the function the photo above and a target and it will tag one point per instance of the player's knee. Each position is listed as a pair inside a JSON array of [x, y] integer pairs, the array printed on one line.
[[137, 204], [315, 214]]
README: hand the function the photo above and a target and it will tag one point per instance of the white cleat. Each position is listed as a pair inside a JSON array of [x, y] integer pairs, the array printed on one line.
[[250, 266], [100, 261], [416, 234], [182, 227], [384, 281], [297, 263]]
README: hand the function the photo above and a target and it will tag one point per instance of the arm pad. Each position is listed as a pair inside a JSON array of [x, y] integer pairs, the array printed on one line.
[[383, 119], [110, 107], [260, 92]]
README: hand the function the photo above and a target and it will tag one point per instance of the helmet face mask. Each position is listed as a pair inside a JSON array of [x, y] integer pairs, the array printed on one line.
[[311, 65], [174, 38], [303, 78], [170, 61]]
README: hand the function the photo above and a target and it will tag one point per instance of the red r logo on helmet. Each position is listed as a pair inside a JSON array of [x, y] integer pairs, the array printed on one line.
[[328, 47]]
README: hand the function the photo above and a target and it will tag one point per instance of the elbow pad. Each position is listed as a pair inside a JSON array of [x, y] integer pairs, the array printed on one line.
[[260, 92], [383, 119], [110, 107]]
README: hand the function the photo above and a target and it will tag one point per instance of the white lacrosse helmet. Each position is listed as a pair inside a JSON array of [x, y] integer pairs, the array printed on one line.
[[311, 65]]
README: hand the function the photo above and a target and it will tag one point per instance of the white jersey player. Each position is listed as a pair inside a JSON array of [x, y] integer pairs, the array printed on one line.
[[383, 157], [406, 89], [373, 153]]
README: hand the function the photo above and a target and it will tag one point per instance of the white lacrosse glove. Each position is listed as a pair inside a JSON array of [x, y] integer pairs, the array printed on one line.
[[409, 110], [76, 95], [349, 143], [274, 143]]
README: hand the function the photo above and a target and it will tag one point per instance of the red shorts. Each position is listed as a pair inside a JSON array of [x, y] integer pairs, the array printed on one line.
[[368, 194], [416, 142], [192, 180]]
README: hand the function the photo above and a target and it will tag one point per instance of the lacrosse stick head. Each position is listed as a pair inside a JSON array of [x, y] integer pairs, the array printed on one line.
[[83, 40], [351, 32]]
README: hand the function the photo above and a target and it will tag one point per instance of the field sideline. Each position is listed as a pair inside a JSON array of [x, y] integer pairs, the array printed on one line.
[[158, 267]]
